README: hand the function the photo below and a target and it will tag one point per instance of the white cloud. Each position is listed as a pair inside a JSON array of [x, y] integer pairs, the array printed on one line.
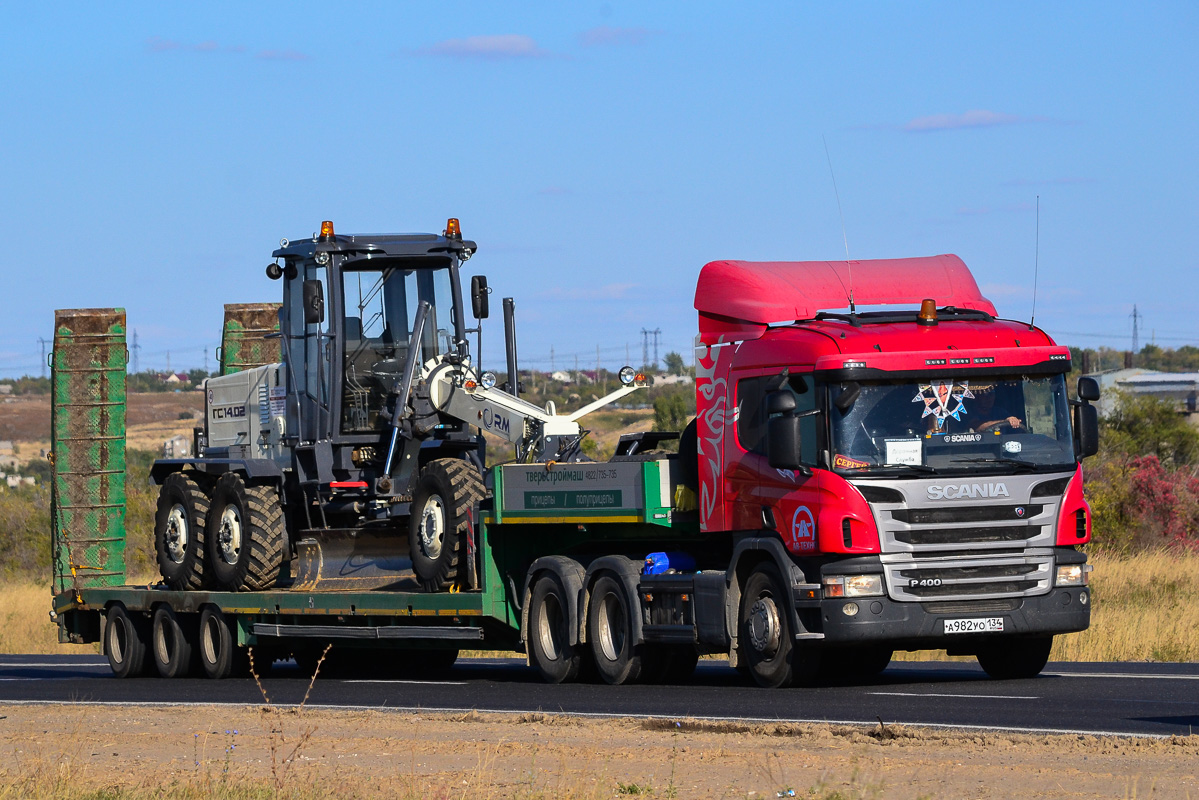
[[606, 36], [971, 119], [492, 48]]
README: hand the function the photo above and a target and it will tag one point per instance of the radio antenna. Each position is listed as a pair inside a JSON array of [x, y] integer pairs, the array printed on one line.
[[844, 237], [1036, 266]]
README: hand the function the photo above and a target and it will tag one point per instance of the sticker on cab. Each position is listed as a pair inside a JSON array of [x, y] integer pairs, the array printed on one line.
[[845, 462], [803, 529]]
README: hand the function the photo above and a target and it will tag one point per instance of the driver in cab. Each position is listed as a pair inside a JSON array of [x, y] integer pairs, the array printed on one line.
[[996, 415]]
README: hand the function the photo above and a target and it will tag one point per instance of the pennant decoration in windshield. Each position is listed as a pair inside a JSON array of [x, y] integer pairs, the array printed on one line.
[[943, 399]]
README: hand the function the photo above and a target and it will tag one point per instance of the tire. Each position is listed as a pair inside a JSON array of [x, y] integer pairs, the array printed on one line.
[[245, 535], [1012, 659], [764, 632], [440, 516], [179, 528], [172, 645], [220, 657], [550, 649], [610, 633], [125, 643]]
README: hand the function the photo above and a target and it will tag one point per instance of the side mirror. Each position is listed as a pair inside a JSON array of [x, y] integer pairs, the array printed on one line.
[[1088, 388], [314, 303], [478, 296], [849, 395], [781, 402], [1086, 429], [783, 442]]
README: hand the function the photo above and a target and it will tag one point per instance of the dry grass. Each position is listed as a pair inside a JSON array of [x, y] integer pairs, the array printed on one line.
[[25, 625]]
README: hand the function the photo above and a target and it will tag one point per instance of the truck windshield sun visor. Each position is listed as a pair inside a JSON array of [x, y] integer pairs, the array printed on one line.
[[952, 423]]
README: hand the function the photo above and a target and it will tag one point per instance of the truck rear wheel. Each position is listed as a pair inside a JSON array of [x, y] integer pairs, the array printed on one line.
[[765, 635], [125, 643], [220, 656], [171, 647], [610, 633], [179, 531], [550, 649], [1010, 659], [440, 517], [245, 535]]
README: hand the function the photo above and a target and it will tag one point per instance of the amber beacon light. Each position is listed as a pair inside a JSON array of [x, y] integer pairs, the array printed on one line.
[[452, 229], [928, 312], [327, 229]]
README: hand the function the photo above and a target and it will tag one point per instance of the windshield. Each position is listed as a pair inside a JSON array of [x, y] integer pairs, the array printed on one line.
[[380, 307], [943, 424]]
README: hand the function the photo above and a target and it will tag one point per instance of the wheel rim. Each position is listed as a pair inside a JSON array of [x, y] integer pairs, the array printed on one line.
[[550, 628], [176, 535], [765, 627], [163, 643], [209, 641], [432, 527], [611, 627], [117, 641], [229, 535]]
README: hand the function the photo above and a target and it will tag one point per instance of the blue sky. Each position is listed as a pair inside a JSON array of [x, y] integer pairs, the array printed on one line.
[[600, 154]]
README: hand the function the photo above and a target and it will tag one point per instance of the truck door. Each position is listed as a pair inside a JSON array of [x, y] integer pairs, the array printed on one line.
[[306, 349], [792, 498]]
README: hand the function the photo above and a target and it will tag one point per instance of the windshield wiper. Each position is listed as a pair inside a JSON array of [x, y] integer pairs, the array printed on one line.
[[1015, 462], [923, 469]]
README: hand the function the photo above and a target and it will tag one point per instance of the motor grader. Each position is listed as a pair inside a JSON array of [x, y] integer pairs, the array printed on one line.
[[357, 460]]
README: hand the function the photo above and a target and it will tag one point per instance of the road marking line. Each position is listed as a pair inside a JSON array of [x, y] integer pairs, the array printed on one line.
[[972, 696], [386, 680], [1121, 675], [600, 715]]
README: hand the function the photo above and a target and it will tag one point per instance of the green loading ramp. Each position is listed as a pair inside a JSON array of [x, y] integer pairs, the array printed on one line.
[[88, 448]]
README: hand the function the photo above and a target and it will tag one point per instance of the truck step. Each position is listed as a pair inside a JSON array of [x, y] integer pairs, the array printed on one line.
[[806, 636], [380, 632], [683, 634]]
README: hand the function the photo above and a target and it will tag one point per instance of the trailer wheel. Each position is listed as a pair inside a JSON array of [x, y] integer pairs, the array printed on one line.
[[550, 649], [179, 531], [765, 634], [440, 515], [125, 643], [171, 646], [610, 633], [220, 656], [1010, 659], [245, 535]]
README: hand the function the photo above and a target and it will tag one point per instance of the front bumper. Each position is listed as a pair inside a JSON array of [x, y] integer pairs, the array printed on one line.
[[921, 626]]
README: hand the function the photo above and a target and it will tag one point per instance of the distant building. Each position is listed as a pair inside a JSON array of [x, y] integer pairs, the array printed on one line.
[[1181, 388], [5, 388], [176, 447]]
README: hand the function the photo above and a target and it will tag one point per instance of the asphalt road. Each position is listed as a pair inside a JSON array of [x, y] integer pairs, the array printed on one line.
[[1132, 699]]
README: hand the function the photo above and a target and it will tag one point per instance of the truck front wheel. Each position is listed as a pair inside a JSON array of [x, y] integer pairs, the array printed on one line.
[[179, 531], [550, 649], [1010, 659], [441, 504], [610, 633], [245, 535], [765, 635]]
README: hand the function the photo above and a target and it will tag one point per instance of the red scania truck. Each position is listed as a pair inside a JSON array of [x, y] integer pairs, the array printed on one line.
[[855, 483]]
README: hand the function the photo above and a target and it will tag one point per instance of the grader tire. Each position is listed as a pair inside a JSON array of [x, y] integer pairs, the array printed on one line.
[[179, 524], [245, 535], [440, 519]]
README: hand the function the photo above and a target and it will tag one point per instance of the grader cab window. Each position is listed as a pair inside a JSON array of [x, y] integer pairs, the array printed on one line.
[[380, 308]]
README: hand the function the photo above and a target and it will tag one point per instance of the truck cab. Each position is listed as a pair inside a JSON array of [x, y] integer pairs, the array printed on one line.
[[920, 463]]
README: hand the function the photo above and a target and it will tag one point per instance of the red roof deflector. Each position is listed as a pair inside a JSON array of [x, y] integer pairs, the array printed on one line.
[[732, 293]]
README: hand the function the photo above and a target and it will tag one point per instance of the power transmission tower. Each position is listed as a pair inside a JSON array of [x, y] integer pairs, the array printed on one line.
[[43, 343], [657, 332], [1136, 317], [644, 347], [137, 350]]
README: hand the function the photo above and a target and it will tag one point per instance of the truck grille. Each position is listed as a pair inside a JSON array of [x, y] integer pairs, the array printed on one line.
[[969, 578]]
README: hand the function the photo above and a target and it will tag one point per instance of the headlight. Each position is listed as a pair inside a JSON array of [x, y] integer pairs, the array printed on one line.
[[1073, 574], [487, 380], [627, 375], [853, 585]]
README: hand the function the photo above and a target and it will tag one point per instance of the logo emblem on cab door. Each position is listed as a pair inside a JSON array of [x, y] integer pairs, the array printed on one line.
[[803, 529]]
